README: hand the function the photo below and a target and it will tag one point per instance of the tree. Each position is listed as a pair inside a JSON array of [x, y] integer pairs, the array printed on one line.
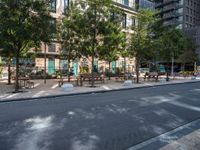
[[139, 41], [95, 22], [154, 42], [114, 41], [189, 54], [172, 45], [23, 25], [7, 53], [69, 34]]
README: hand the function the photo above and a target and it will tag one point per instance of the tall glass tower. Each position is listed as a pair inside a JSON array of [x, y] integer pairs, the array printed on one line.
[[181, 13]]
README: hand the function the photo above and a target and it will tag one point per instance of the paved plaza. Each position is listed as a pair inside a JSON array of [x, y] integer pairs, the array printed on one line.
[[51, 88]]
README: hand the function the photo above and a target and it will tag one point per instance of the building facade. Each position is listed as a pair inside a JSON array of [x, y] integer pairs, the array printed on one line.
[[184, 14], [181, 13], [194, 33], [55, 62], [171, 12]]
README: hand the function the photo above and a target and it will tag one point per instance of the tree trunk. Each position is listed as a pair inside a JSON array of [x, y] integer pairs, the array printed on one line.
[[183, 67], [17, 72], [94, 45], [109, 71], [167, 78], [92, 71], [60, 68], [137, 70], [124, 67], [172, 67], [45, 63], [68, 67], [9, 71]]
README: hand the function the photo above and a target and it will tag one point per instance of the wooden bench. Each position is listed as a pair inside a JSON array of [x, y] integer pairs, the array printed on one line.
[[119, 77], [88, 77], [151, 75], [25, 82]]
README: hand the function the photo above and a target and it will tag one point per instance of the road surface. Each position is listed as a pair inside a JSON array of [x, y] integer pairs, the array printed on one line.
[[105, 121]]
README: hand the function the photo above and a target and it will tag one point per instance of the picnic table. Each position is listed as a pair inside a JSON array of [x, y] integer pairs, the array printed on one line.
[[25, 82], [88, 77], [151, 75], [126, 76]]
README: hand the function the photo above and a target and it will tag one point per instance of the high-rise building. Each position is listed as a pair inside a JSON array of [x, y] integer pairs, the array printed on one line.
[[171, 12], [194, 34], [145, 4], [184, 14], [181, 13]]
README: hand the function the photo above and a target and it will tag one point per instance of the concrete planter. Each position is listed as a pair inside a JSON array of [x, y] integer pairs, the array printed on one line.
[[67, 87]]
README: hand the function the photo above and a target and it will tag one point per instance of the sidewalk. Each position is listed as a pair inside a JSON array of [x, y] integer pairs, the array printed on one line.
[[52, 89], [186, 137]]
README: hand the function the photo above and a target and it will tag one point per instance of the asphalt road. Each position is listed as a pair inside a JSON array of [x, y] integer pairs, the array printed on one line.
[[104, 121]]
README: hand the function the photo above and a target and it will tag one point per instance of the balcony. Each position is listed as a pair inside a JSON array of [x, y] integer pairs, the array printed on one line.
[[167, 2], [170, 8], [171, 15]]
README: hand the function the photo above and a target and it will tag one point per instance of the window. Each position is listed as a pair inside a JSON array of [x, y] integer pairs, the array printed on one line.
[[126, 2], [53, 27], [124, 21], [52, 5], [66, 3], [52, 48], [129, 21], [133, 22], [187, 18]]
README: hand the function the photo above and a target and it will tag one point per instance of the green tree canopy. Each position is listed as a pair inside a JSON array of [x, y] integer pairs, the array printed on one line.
[[189, 54], [69, 33], [97, 28], [23, 24], [139, 41]]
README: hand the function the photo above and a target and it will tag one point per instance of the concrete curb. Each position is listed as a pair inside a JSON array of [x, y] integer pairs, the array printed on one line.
[[93, 92], [187, 127]]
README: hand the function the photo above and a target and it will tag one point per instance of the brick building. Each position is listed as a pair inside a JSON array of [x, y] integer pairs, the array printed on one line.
[[53, 60]]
